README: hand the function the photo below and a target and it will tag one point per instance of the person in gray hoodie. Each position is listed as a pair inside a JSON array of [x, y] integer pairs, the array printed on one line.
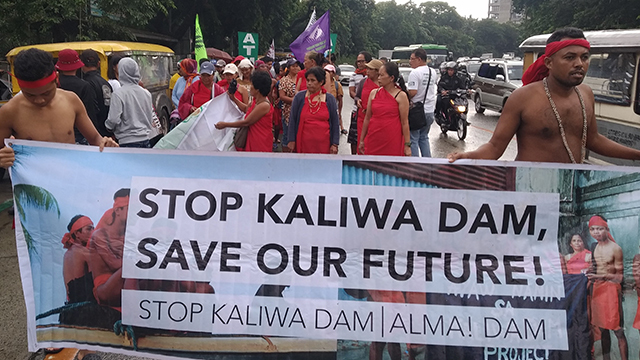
[[130, 114]]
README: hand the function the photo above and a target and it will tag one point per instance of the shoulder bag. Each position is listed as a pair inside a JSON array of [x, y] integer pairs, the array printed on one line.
[[417, 117]]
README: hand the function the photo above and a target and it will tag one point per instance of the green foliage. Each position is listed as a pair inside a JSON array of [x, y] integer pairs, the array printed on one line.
[[360, 24], [41, 21], [36, 197], [545, 16]]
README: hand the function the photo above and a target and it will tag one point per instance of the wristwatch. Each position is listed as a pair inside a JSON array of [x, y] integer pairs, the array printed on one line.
[[408, 144]]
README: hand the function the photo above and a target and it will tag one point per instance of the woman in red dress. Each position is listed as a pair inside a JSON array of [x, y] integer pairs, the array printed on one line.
[[368, 84], [259, 115], [579, 260], [314, 123], [385, 130]]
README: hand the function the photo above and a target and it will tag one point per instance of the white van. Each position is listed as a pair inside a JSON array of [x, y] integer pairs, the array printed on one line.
[[614, 78]]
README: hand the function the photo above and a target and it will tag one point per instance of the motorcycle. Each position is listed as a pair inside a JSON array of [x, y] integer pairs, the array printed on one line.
[[455, 116]]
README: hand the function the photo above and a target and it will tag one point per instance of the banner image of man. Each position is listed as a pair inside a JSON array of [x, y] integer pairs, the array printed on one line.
[[106, 247], [75, 266], [606, 292]]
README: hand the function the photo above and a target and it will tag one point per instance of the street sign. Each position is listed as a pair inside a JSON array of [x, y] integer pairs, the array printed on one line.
[[248, 45], [334, 42]]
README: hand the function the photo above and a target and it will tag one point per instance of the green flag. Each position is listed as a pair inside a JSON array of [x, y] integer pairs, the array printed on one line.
[[201, 51]]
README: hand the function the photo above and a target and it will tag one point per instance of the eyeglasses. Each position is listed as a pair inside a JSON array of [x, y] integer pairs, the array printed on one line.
[[359, 61]]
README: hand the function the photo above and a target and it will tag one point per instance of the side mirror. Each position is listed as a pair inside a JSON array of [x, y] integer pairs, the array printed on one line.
[[499, 77]]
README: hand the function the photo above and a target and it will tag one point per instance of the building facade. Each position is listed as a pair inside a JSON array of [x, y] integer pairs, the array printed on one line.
[[502, 11]]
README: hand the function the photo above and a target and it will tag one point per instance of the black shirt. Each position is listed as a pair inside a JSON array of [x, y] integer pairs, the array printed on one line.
[[102, 91], [85, 93], [450, 83]]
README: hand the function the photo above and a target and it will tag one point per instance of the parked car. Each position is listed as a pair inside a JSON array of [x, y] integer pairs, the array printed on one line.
[[346, 71], [404, 72], [494, 83]]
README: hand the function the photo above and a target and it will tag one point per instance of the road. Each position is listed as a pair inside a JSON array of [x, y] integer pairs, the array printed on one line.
[[13, 339]]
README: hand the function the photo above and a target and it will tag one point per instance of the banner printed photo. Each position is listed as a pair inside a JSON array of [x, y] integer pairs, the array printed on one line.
[[337, 258]]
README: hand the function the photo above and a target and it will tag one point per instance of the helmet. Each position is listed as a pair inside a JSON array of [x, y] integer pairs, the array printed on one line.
[[451, 65], [443, 66], [462, 67]]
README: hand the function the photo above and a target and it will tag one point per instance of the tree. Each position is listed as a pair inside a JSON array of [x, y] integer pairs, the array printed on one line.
[[32, 196], [41, 21], [545, 16]]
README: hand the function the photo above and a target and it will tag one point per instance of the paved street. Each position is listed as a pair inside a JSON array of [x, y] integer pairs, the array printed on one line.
[[13, 342]]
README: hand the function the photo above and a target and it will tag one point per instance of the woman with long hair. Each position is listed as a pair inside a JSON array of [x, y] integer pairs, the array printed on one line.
[[287, 90], [259, 115], [579, 260], [313, 126], [385, 129]]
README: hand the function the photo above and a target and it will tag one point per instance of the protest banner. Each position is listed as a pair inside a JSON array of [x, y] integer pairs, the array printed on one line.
[[195, 253]]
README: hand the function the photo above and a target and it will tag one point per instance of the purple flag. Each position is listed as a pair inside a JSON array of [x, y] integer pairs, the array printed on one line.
[[316, 38]]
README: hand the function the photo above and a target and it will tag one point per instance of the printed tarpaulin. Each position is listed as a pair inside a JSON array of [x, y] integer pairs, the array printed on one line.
[[198, 131]]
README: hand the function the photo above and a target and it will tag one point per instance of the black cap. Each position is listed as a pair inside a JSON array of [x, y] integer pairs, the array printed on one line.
[[90, 58]]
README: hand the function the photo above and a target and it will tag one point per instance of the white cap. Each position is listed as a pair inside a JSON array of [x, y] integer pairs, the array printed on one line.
[[230, 69]]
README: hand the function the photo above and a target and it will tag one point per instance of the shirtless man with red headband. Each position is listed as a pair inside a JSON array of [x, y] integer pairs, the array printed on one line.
[[606, 292], [42, 111], [553, 113]]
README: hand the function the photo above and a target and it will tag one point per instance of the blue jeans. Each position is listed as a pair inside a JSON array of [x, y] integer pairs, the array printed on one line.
[[137, 144], [420, 138]]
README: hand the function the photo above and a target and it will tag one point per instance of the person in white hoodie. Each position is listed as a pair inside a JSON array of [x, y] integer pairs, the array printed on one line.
[[131, 111]]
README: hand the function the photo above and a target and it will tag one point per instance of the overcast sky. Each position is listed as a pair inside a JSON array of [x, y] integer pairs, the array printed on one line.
[[476, 8]]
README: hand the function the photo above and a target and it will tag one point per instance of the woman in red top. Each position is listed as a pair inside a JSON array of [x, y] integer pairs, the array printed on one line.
[[368, 84], [230, 73], [314, 123], [580, 259], [259, 115], [311, 59], [385, 130]]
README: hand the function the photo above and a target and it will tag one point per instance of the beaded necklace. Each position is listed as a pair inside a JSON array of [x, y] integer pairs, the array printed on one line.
[[314, 106], [562, 133]]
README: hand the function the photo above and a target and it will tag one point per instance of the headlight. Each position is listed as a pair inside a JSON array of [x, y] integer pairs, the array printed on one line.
[[462, 108], [451, 101]]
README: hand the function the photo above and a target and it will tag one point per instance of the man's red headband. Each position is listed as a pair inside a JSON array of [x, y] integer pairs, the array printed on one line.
[[24, 84], [67, 241], [599, 221], [538, 70]]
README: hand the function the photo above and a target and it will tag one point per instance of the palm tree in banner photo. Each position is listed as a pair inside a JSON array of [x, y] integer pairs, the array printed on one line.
[[36, 197], [29, 195]]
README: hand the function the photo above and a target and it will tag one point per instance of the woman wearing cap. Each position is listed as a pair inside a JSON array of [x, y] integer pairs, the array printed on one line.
[[188, 69], [241, 95], [314, 124], [199, 92], [334, 88], [287, 90], [245, 69], [385, 130], [259, 116], [368, 84]]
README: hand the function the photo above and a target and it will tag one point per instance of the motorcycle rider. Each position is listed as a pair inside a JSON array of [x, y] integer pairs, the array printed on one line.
[[463, 74], [448, 82]]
